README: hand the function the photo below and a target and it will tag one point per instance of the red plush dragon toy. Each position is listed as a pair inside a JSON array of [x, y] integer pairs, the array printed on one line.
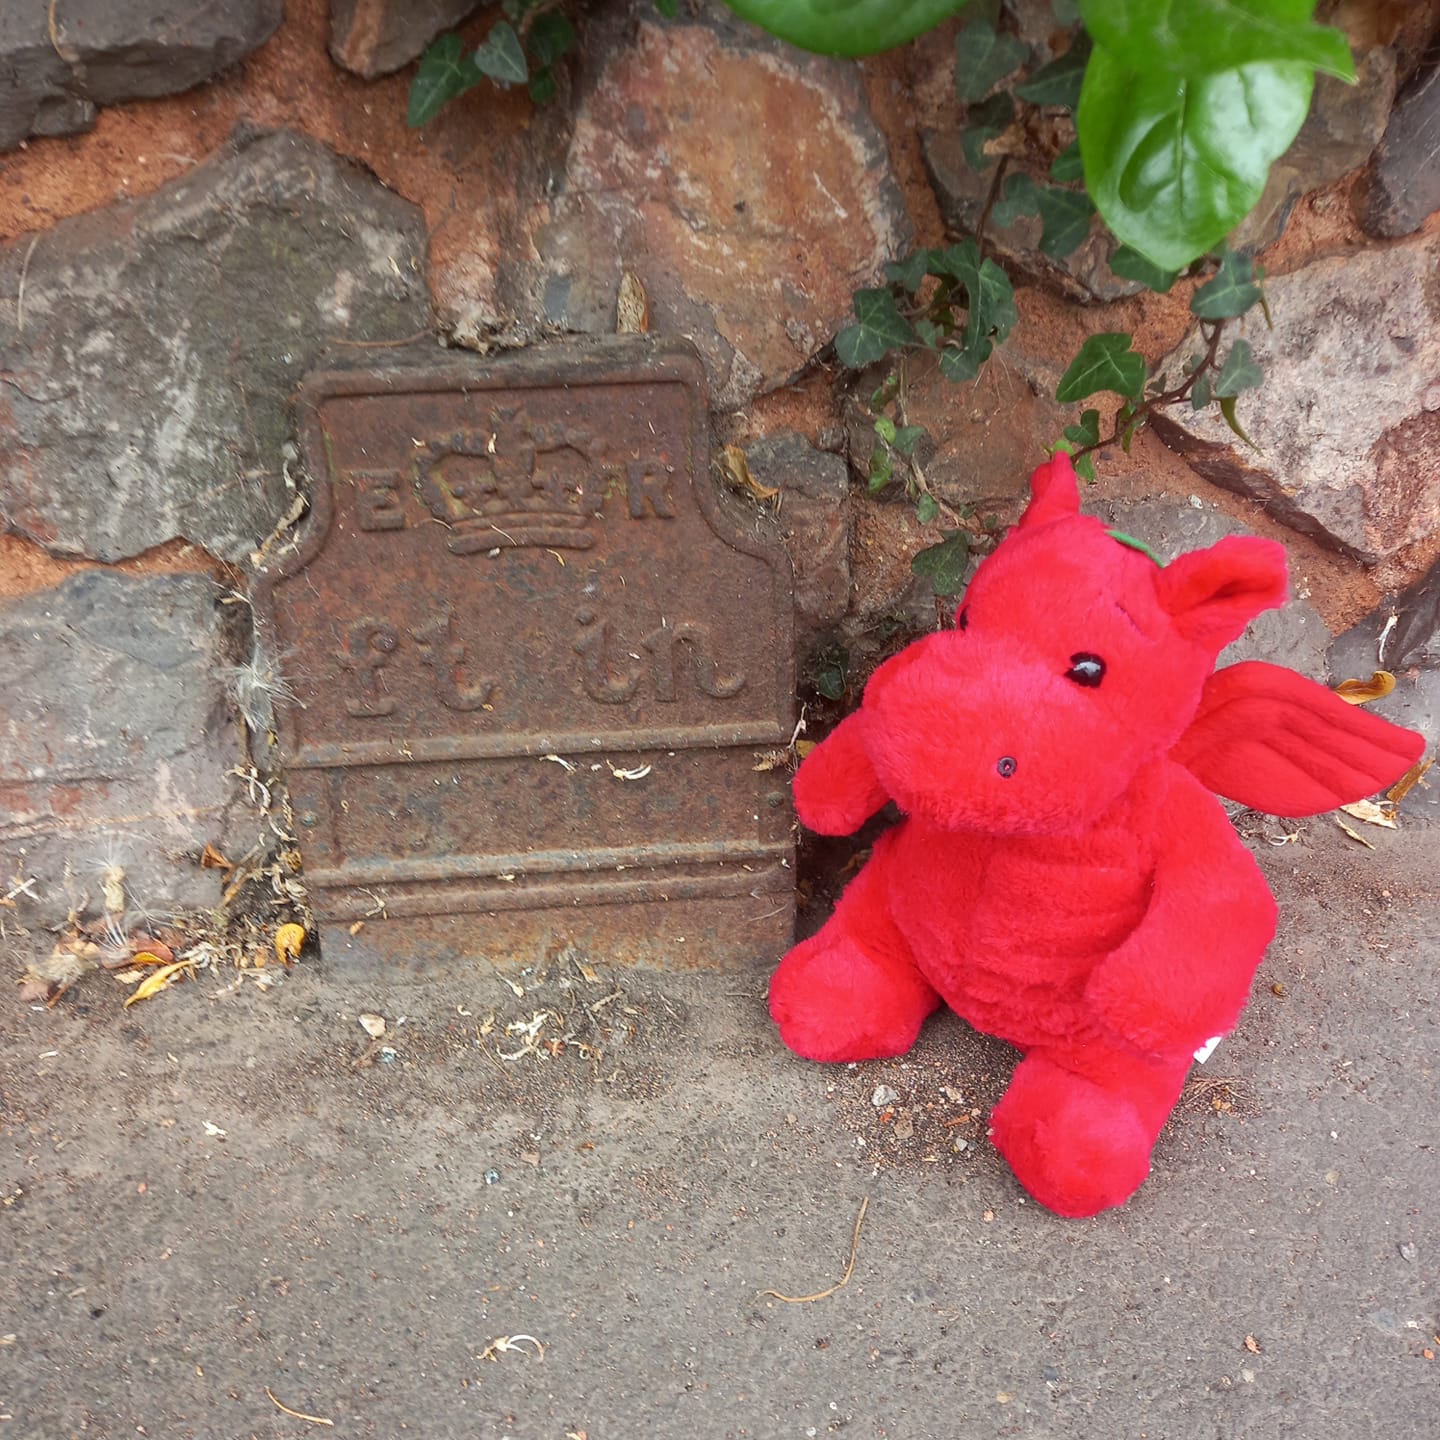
[[1064, 878]]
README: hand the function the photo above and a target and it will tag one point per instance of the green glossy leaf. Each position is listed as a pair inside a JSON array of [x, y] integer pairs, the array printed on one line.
[[846, 27], [1202, 37], [1130, 264], [550, 37], [927, 507], [931, 335], [1174, 164], [1105, 362], [1200, 392], [445, 72], [1239, 372], [501, 57], [1065, 215], [879, 327], [1227, 409], [885, 429], [1231, 291], [944, 565], [1085, 468], [1058, 83], [543, 86], [983, 58], [1067, 165]]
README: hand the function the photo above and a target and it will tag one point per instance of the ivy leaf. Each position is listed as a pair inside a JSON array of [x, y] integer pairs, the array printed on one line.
[[1201, 37], [1227, 409], [885, 429], [1020, 196], [501, 57], [927, 507], [910, 272], [1174, 163], [963, 362], [1085, 468], [1130, 264], [991, 295], [1066, 218], [1105, 362], [879, 327], [983, 58], [1068, 165], [985, 122], [944, 565], [1200, 393], [882, 469], [907, 437], [543, 86], [1058, 83], [846, 27], [1231, 291], [445, 73], [551, 36], [1239, 372], [1087, 432], [829, 674]]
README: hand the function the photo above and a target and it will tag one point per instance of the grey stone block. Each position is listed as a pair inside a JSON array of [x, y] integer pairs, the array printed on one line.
[[1294, 635], [59, 62], [815, 522], [150, 354], [115, 741], [374, 37], [1346, 423]]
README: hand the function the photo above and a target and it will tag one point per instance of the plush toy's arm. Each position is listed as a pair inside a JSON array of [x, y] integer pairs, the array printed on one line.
[[836, 788], [1275, 741], [1182, 976]]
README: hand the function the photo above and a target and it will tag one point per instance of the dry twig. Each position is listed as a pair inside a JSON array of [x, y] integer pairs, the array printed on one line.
[[844, 1280]]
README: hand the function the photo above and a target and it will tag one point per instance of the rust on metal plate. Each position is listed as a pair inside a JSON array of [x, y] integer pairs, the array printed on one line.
[[535, 664]]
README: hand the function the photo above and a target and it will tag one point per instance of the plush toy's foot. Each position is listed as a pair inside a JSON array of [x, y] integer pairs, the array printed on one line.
[[1076, 1146], [833, 1001]]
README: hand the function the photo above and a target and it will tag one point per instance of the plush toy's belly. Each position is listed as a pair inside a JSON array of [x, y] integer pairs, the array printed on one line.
[[1008, 931]]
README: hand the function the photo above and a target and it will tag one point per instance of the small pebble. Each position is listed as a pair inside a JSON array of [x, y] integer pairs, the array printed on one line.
[[882, 1095], [492, 1176]]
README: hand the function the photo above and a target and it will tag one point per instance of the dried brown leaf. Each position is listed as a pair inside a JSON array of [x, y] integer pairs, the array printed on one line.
[[1361, 692], [738, 476], [1408, 781]]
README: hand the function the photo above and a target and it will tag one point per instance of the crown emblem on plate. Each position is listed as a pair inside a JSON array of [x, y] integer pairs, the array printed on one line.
[[514, 484]]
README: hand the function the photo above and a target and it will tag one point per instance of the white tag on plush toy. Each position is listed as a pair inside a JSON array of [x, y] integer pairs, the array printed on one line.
[[1208, 1048]]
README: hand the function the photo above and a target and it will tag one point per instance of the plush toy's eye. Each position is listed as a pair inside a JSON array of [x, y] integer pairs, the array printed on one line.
[[1088, 670], [962, 620]]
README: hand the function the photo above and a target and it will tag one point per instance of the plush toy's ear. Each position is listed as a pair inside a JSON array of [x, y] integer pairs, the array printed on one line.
[[1054, 491], [1280, 743], [1212, 595]]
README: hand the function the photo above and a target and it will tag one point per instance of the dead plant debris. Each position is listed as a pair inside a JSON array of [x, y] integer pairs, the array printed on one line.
[[844, 1280]]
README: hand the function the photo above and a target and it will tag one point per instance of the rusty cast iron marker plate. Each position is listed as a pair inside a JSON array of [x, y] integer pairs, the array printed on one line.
[[534, 667]]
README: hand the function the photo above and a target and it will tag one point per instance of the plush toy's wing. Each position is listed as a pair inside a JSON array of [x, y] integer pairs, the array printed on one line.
[[1275, 741]]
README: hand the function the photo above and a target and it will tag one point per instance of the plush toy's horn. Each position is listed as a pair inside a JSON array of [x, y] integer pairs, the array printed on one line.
[[1055, 492]]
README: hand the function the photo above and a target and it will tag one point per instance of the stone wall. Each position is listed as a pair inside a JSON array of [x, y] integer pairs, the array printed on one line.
[[198, 207]]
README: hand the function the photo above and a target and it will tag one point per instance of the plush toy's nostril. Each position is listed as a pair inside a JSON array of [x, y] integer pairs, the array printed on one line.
[[1005, 766]]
